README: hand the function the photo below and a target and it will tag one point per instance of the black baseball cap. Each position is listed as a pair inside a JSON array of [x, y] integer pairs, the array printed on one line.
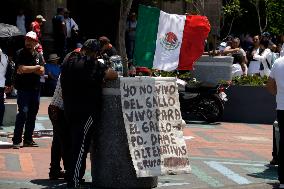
[[92, 45]]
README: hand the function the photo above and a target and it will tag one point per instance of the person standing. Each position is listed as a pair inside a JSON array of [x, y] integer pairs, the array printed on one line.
[[59, 33], [130, 35], [21, 22], [29, 67], [59, 145], [36, 26], [5, 81], [83, 70], [52, 70], [72, 31], [275, 85]]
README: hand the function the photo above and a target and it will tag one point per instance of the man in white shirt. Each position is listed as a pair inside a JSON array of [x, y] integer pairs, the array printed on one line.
[[71, 31], [275, 86], [4, 62]]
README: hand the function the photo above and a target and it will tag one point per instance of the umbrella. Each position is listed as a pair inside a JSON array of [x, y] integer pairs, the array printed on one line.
[[7, 30]]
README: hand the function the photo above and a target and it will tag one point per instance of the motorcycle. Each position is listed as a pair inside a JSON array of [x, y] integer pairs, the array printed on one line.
[[202, 102]]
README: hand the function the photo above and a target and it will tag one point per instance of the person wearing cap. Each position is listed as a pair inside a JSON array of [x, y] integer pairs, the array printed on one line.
[[106, 47], [52, 70], [81, 78], [35, 25], [29, 67]]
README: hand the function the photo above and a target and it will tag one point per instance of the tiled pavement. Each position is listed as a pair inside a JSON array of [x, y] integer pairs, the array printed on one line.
[[223, 155]]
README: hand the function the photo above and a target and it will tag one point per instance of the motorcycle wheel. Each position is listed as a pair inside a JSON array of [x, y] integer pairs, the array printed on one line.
[[211, 108]]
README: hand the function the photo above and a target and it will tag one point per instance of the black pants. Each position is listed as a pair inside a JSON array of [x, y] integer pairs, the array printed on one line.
[[81, 126], [28, 105], [280, 117], [60, 147], [2, 105], [274, 147]]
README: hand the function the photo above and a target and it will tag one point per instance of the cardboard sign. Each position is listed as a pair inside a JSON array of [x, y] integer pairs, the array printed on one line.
[[153, 123]]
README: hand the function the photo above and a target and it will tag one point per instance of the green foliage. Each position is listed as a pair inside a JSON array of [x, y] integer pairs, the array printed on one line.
[[232, 9], [275, 16], [254, 80]]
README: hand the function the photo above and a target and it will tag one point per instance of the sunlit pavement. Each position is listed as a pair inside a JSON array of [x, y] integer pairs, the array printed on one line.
[[222, 155]]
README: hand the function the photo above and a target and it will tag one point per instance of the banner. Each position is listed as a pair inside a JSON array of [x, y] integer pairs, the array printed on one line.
[[153, 124]]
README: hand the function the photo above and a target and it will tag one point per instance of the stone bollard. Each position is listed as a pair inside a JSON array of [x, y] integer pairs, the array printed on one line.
[[10, 114], [211, 70], [111, 163]]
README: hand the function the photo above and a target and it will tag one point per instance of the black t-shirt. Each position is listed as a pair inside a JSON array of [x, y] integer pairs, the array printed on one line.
[[27, 81], [81, 82]]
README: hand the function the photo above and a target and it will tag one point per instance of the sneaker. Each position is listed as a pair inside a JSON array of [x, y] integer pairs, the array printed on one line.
[[30, 144], [274, 161], [56, 175], [17, 146]]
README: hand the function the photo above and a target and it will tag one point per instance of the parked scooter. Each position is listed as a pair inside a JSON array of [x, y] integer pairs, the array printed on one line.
[[202, 102]]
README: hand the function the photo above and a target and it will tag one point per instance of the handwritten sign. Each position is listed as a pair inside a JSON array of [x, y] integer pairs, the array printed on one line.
[[153, 123]]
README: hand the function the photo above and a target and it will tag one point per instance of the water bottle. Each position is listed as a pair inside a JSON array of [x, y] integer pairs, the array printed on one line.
[[117, 65]]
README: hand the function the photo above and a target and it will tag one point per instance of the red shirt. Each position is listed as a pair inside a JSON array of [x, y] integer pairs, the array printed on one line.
[[35, 26]]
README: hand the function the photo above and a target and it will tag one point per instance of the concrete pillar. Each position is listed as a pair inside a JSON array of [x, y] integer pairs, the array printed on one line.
[[111, 162]]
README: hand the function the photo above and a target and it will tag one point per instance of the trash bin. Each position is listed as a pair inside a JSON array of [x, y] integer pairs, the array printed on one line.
[[111, 163]]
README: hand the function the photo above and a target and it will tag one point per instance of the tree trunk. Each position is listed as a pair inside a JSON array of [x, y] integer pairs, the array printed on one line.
[[125, 6]]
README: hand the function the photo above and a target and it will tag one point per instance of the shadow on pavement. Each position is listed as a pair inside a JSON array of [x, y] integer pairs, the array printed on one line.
[[46, 183], [57, 184], [269, 174]]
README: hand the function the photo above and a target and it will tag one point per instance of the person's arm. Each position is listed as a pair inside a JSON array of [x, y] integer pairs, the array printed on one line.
[[40, 71], [110, 74], [262, 56], [229, 50], [271, 86], [28, 69]]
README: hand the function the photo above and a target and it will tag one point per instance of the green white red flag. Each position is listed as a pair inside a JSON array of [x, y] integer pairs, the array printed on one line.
[[169, 41]]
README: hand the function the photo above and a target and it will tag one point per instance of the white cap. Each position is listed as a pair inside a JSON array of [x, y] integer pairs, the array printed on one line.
[[32, 35]]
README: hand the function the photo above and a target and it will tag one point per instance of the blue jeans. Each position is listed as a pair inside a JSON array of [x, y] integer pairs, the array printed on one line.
[[28, 105]]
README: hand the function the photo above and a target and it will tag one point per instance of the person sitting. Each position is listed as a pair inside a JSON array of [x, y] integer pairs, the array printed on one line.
[[52, 70], [107, 47]]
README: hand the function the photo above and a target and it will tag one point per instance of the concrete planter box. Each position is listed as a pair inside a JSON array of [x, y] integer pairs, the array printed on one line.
[[211, 70], [249, 104]]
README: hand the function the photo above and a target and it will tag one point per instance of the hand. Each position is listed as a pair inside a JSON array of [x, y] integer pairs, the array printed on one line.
[[8, 89]]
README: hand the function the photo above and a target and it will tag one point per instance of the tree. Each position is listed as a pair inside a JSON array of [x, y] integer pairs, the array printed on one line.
[[125, 6], [275, 16], [231, 11], [261, 10], [198, 5]]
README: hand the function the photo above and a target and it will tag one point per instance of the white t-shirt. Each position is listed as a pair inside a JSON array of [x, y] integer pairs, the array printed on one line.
[[277, 73], [3, 68], [265, 58]]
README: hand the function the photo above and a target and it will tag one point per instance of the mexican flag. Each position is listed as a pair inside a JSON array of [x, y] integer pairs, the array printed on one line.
[[169, 41]]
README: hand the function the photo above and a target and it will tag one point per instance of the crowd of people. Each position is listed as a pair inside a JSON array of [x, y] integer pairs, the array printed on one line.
[[253, 55], [73, 64]]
